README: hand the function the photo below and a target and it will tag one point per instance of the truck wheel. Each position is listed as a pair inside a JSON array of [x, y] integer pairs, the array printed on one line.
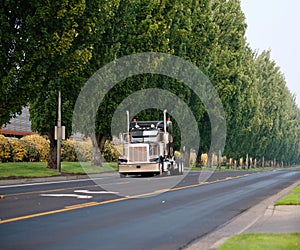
[[122, 175], [171, 171], [161, 166], [179, 167], [174, 171]]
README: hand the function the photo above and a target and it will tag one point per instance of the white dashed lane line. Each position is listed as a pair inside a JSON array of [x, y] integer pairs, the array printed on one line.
[[68, 195], [79, 194], [94, 192]]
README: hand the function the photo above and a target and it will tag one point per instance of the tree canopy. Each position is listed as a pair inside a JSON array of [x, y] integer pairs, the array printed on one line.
[[46, 46]]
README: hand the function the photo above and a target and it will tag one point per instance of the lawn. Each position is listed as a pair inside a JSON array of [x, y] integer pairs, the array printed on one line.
[[292, 198], [255, 241], [39, 169], [86, 168]]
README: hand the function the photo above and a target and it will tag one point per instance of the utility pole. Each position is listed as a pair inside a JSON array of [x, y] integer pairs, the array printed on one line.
[[59, 133]]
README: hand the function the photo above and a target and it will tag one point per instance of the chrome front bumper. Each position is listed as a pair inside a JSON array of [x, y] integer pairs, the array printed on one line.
[[136, 168]]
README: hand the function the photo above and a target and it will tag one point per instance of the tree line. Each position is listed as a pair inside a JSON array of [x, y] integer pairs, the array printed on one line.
[[51, 45]]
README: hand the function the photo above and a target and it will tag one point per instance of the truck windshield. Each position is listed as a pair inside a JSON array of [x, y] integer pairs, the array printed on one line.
[[140, 136]]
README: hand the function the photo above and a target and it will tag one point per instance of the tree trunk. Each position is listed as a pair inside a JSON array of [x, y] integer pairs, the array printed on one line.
[[98, 142], [238, 164], [219, 159], [52, 159], [210, 159], [198, 158], [186, 157]]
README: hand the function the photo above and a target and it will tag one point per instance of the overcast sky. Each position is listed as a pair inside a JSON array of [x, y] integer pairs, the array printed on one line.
[[275, 25]]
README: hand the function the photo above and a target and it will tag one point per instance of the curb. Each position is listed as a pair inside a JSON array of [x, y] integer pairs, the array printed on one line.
[[239, 224]]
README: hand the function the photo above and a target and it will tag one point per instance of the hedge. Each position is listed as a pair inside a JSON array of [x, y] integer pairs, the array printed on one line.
[[5, 149], [36, 148], [41, 145]]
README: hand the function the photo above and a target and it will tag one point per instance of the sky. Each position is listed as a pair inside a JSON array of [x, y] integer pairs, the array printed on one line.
[[275, 25]]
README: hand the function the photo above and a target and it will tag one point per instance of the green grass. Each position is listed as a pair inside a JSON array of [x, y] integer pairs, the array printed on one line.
[[86, 168], [292, 198], [255, 241], [39, 169], [25, 169]]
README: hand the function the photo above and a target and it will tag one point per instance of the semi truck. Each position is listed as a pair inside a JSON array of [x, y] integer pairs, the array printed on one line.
[[148, 149]]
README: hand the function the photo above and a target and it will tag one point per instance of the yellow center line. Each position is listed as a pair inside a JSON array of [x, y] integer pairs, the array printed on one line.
[[93, 203], [90, 204]]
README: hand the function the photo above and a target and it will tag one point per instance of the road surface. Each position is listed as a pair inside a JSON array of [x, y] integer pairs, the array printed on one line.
[[132, 213]]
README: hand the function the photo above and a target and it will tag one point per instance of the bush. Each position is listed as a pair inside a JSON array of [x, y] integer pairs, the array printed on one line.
[[32, 154], [36, 148], [18, 151], [83, 150], [110, 152], [68, 151], [41, 144], [5, 149]]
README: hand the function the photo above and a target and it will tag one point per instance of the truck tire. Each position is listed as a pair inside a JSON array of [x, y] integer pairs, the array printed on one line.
[[174, 169], [180, 167], [122, 175]]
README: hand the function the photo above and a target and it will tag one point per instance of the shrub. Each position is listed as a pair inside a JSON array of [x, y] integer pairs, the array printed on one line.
[[32, 154], [5, 149], [68, 151], [42, 145], [83, 150], [177, 155], [18, 151], [36, 148], [204, 158], [110, 152]]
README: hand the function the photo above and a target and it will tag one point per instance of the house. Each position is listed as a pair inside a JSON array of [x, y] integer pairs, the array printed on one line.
[[19, 126]]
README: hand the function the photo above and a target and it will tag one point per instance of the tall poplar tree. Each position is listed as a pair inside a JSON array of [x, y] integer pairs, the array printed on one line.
[[64, 34]]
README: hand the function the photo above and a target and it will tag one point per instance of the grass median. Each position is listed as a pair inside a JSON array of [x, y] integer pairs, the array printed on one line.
[[39, 169]]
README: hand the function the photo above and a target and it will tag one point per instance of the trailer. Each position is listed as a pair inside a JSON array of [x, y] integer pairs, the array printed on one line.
[[148, 149]]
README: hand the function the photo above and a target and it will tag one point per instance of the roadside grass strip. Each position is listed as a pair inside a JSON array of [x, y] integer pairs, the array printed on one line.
[[39, 169], [262, 242], [292, 198], [25, 169]]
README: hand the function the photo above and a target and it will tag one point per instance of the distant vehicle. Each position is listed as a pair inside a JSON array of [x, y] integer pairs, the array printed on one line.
[[148, 149]]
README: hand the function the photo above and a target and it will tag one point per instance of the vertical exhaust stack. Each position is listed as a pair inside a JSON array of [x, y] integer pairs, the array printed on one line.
[[165, 121], [128, 126], [165, 133]]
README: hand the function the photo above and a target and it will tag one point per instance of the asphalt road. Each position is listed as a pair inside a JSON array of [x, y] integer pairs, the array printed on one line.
[[131, 213]]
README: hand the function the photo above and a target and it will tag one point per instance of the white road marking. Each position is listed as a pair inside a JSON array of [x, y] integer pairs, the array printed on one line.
[[94, 192], [68, 195]]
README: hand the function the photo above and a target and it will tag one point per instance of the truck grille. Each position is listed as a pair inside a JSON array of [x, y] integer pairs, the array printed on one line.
[[138, 154]]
